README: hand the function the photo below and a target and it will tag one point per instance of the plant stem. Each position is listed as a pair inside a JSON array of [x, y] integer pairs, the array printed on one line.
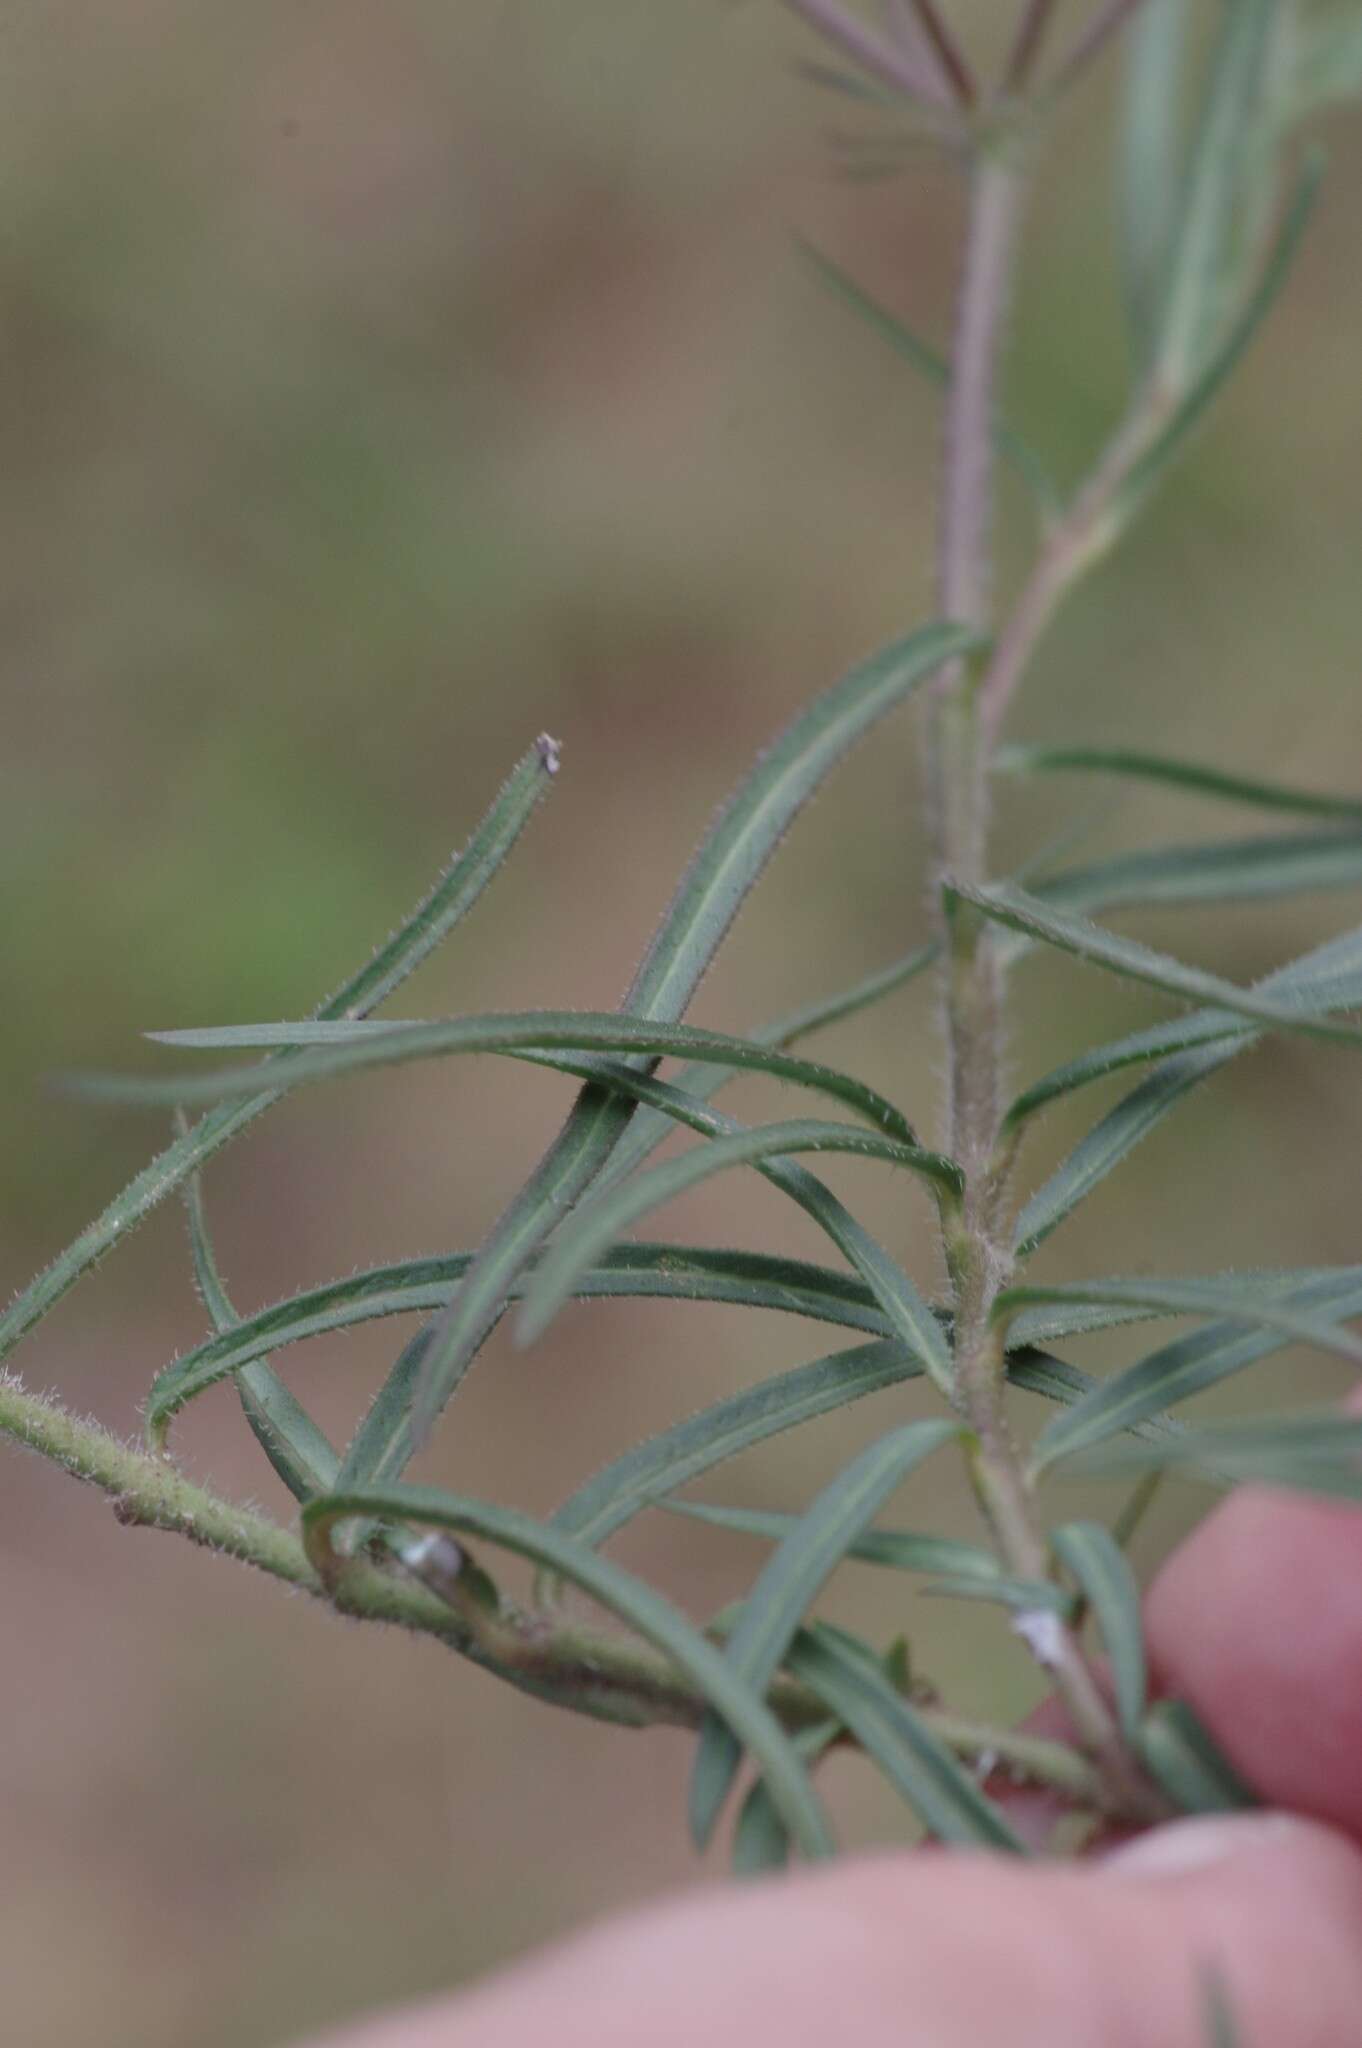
[[607, 1676], [978, 1239]]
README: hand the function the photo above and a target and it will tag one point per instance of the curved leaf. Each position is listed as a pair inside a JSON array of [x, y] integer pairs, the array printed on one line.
[[802, 1561], [711, 891], [1103, 1573], [645, 1611], [330, 1049], [286, 1433], [911, 1755], [455, 893]]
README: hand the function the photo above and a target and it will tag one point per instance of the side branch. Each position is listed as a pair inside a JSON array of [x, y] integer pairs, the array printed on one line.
[[606, 1676]]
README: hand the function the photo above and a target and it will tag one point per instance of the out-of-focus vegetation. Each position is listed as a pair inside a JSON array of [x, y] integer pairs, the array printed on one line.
[[384, 386]]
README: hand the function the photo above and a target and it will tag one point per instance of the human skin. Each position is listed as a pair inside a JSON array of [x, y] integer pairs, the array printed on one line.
[[1257, 1620]]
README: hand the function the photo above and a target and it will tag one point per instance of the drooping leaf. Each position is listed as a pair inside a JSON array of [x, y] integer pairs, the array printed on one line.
[[651, 1616], [1188, 1366], [775, 1607], [455, 893], [929, 363], [327, 1050], [1020, 911], [286, 1433], [1103, 1573], [1179, 1752], [890, 1730], [902, 1550], [1132, 764]]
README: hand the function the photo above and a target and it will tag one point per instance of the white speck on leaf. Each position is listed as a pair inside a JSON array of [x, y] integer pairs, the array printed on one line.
[[550, 752]]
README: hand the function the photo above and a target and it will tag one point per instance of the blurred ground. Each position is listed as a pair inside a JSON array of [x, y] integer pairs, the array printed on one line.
[[383, 387]]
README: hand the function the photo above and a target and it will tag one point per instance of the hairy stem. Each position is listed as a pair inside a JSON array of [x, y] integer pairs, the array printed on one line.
[[605, 1675], [978, 1237]]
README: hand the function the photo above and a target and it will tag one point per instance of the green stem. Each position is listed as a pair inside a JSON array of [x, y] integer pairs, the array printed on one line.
[[606, 1676]]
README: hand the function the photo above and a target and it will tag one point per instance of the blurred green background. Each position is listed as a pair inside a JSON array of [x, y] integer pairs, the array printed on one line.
[[382, 387]]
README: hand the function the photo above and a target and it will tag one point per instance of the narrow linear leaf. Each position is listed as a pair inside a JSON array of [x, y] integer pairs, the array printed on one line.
[[1021, 911], [598, 1225], [644, 1474], [929, 363], [645, 1611], [1309, 1451], [387, 1431], [1187, 1366], [286, 1433], [711, 892], [913, 1758], [802, 1561], [1231, 871], [672, 1272], [1150, 158], [1131, 764], [1181, 1755], [1193, 312], [343, 1048], [902, 1550], [1145, 474], [761, 1841], [1224, 1296], [433, 918], [1107, 1582], [1225, 871], [455, 891], [1050, 1322]]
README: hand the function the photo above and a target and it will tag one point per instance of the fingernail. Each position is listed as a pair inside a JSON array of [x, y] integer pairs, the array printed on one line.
[[1182, 1846]]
